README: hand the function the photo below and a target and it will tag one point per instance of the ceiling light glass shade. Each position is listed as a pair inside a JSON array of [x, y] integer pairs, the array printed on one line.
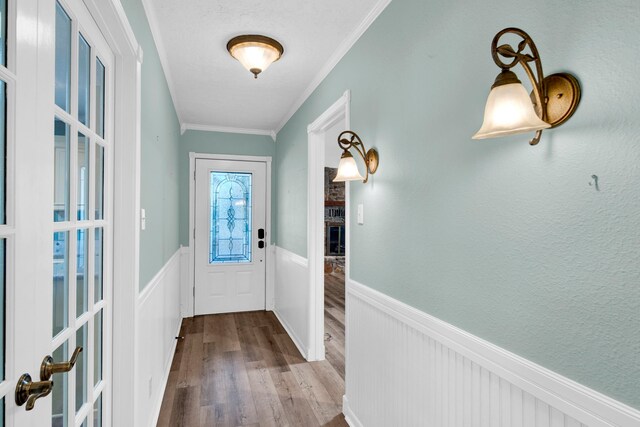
[[255, 53], [509, 111], [348, 169]]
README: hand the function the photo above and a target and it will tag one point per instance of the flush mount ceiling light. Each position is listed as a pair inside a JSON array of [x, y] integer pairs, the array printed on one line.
[[510, 109], [255, 52], [348, 169]]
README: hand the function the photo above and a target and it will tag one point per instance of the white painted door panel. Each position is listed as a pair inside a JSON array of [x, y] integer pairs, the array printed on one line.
[[230, 250]]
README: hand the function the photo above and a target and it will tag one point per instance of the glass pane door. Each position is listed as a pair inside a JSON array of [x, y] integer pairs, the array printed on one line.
[[81, 218]]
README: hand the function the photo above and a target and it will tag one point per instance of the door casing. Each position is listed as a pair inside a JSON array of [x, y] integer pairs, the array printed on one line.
[[340, 110]]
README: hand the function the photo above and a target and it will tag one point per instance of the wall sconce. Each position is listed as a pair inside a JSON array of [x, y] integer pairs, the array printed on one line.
[[348, 169], [510, 109]]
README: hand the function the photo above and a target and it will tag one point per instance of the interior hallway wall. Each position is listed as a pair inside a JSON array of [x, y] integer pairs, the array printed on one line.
[[506, 241], [159, 154]]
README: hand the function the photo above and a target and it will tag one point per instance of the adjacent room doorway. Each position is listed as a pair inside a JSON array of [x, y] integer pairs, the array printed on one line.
[[230, 236], [328, 235]]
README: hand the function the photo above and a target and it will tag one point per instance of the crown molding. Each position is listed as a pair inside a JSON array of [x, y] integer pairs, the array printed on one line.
[[224, 129], [162, 53], [338, 54]]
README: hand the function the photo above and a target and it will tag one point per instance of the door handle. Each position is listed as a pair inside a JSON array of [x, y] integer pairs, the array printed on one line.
[[28, 391], [49, 367]]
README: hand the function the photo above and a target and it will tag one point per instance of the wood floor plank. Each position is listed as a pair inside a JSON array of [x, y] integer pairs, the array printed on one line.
[[271, 352], [214, 382], [312, 388], [186, 407], [195, 360], [221, 328], [331, 379], [297, 407], [240, 400], [167, 401], [268, 405], [242, 369]]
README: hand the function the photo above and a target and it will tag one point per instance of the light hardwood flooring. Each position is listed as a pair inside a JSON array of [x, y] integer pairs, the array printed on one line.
[[242, 369]]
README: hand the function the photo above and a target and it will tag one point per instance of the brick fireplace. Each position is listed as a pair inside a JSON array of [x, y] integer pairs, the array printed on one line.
[[334, 221]]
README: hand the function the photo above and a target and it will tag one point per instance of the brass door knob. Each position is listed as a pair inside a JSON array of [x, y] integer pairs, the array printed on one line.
[[49, 367], [28, 391]]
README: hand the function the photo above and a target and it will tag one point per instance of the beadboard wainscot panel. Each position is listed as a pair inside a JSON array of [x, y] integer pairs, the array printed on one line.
[[407, 368], [291, 297], [158, 323]]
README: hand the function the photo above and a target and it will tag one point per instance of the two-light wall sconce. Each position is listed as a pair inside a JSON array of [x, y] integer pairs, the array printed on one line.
[[348, 169], [510, 110]]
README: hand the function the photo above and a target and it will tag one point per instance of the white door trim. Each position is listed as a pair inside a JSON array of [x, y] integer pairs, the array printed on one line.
[[188, 303], [340, 110], [112, 21]]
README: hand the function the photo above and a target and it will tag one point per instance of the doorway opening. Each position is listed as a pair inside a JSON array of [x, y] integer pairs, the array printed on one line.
[[328, 236]]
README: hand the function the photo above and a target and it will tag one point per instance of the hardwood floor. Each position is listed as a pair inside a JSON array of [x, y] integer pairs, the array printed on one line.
[[242, 369]]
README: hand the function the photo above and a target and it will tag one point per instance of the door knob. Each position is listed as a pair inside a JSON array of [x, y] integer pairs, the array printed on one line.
[[49, 367], [28, 391]]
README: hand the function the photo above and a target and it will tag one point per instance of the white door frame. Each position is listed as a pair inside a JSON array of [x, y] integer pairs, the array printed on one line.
[[112, 21], [340, 110], [187, 303]]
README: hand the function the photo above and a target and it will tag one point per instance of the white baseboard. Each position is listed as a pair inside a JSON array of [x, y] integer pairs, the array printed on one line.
[[349, 416], [301, 348], [442, 375]]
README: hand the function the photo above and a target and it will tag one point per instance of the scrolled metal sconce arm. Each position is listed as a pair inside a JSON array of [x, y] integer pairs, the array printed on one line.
[[555, 97], [370, 157]]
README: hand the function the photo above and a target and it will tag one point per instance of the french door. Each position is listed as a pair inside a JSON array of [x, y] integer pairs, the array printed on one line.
[[56, 109], [230, 237]]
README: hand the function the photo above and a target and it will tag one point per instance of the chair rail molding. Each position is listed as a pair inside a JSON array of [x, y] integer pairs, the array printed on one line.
[[445, 376]]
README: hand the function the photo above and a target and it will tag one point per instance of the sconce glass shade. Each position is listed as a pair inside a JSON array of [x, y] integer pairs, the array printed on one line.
[[255, 52], [348, 169], [509, 111]]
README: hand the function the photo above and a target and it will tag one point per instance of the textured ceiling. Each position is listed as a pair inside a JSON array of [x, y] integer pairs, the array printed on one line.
[[211, 89]]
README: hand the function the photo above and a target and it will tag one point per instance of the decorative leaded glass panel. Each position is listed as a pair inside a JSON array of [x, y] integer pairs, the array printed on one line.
[[230, 218]]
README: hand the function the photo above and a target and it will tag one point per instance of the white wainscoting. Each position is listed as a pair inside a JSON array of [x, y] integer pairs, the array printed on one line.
[[291, 297], [406, 368], [158, 323], [186, 282]]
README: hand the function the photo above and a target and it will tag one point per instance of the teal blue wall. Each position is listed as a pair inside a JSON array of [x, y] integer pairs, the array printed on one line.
[[159, 158], [504, 240], [217, 143]]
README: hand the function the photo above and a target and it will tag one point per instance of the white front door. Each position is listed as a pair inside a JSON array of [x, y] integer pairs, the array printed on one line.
[[230, 236], [56, 139]]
